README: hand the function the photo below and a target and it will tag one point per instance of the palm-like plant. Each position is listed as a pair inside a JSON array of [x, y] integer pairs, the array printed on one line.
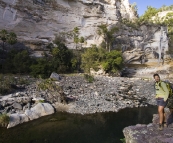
[[76, 36], [12, 38], [3, 36]]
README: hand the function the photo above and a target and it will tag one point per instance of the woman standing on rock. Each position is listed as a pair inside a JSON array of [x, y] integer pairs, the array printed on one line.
[[162, 94]]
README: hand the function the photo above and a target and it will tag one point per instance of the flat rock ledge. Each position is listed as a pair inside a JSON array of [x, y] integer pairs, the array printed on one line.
[[141, 133], [39, 110]]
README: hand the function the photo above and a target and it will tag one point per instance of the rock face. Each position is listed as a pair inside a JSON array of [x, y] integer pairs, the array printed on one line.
[[150, 133], [143, 44], [37, 21]]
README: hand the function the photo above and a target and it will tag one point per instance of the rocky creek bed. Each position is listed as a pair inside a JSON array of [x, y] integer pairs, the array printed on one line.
[[77, 96]]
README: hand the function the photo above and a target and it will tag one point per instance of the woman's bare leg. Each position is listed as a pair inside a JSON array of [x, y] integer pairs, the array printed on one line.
[[161, 114]]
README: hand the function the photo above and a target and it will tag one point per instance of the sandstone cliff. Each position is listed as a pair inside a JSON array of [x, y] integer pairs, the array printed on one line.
[[40, 20]]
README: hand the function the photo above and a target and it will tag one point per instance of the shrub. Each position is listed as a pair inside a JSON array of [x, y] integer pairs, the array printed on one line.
[[41, 101], [4, 120], [8, 83], [113, 61], [17, 62], [89, 78], [123, 140], [92, 57], [41, 68], [5, 84], [47, 84]]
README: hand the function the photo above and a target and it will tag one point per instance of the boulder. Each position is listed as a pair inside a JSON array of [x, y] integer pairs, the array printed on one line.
[[41, 109], [150, 133], [17, 106], [16, 119], [55, 76], [147, 134]]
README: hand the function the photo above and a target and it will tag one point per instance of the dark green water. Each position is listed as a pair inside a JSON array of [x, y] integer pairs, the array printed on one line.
[[75, 128]]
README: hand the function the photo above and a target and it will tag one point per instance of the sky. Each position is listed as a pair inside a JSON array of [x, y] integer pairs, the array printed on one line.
[[142, 4]]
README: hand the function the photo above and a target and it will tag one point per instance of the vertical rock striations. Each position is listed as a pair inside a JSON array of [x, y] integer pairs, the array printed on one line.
[[41, 20]]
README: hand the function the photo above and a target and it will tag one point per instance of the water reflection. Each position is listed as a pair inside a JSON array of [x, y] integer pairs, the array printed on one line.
[[75, 128]]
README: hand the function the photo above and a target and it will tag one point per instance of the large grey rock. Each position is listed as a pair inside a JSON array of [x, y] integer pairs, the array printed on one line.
[[150, 133], [41, 109], [55, 76], [147, 134], [17, 106], [16, 119]]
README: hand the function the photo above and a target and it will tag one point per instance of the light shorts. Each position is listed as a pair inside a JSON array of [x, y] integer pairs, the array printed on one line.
[[161, 102]]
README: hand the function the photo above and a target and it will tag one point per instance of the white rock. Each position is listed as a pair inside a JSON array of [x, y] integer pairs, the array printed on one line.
[[38, 99], [16, 119], [17, 106], [41, 109], [55, 76]]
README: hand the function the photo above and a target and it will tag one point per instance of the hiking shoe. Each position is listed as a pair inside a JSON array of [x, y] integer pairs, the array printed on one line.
[[165, 124], [160, 127]]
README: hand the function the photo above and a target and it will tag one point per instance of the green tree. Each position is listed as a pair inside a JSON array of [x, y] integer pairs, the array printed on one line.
[[76, 40], [62, 56], [81, 40], [18, 62], [76, 36], [95, 57], [149, 13], [22, 62], [135, 8], [10, 38], [42, 68], [107, 35]]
